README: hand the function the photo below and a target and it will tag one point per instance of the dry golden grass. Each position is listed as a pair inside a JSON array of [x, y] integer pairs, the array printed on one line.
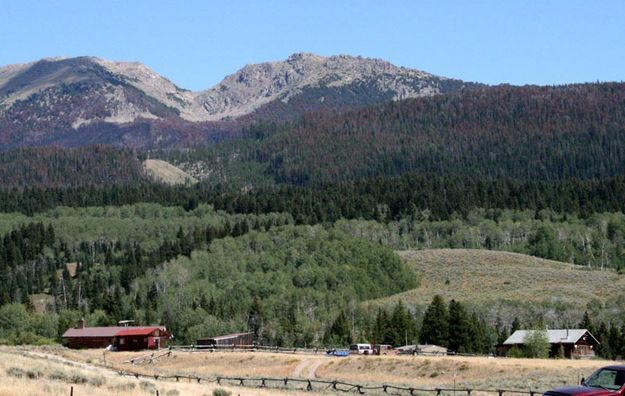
[[167, 173], [49, 371], [412, 371], [482, 275]]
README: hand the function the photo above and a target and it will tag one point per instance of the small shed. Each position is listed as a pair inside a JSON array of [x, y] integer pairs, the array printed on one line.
[[228, 339], [128, 338], [572, 343]]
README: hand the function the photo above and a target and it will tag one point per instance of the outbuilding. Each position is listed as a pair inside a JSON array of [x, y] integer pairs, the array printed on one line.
[[236, 339]]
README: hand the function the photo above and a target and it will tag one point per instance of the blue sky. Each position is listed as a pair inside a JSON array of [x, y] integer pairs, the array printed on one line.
[[196, 43]]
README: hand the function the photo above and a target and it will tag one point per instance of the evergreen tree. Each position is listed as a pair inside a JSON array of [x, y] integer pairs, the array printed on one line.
[[435, 326], [255, 319], [516, 325], [339, 333], [381, 332], [403, 329], [587, 324], [459, 334]]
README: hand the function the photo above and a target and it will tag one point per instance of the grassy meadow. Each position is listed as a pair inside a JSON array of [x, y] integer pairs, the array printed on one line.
[[94, 373], [509, 284]]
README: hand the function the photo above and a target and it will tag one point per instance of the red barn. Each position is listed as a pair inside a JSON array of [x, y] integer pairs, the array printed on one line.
[[123, 338]]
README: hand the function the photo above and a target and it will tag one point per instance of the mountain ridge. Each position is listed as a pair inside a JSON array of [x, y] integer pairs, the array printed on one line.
[[63, 100]]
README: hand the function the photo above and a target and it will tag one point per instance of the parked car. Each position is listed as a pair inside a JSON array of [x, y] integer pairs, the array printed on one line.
[[361, 349], [609, 380]]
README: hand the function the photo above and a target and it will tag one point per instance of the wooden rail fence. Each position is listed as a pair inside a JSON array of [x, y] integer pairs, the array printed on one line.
[[275, 349], [318, 385]]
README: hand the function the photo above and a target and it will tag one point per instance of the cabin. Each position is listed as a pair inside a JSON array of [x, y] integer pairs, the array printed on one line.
[[565, 343], [236, 339], [123, 338]]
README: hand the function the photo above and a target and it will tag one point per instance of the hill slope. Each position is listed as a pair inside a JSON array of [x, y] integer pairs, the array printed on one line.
[[506, 284], [167, 173], [526, 133]]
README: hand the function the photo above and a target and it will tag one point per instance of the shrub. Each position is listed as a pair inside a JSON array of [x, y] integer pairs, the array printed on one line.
[[145, 385], [122, 388], [221, 392], [58, 375], [16, 372], [97, 381], [77, 378], [34, 374]]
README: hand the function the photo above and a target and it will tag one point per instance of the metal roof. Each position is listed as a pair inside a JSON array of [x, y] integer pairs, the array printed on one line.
[[225, 337], [140, 331], [102, 332], [555, 336]]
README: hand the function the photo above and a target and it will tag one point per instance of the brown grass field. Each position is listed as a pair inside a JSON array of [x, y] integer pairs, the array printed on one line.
[[100, 375], [167, 173], [480, 276]]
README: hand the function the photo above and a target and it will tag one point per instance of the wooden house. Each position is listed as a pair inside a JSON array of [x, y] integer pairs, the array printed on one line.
[[566, 343], [125, 338], [138, 338], [228, 340]]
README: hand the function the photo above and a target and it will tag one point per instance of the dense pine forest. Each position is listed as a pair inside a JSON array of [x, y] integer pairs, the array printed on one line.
[[291, 231]]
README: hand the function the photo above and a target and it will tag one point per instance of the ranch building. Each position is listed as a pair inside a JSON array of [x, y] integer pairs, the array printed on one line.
[[566, 343], [122, 338], [237, 339]]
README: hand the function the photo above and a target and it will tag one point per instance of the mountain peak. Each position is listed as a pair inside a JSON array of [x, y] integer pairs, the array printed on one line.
[[256, 85], [53, 97]]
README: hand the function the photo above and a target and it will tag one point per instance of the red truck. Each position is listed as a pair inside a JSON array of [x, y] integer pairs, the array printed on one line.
[[607, 381]]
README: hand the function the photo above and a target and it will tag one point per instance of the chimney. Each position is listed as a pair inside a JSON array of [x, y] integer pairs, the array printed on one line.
[[81, 323]]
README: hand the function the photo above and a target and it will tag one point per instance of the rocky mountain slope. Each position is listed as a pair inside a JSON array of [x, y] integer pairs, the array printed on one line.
[[87, 100], [257, 85]]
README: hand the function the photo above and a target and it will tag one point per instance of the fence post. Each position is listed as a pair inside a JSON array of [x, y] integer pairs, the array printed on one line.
[[71, 391]]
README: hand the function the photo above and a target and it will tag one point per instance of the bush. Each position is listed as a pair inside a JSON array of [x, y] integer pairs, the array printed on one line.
[[122, 388], [536, 344], [515, 352], [97, 381], [58, 375], [77, 378], [34, 374], [221, 392], [16, 372], [145, 385]]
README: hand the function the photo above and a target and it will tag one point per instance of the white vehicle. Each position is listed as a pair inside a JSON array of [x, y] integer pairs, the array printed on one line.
[[361, 349]]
